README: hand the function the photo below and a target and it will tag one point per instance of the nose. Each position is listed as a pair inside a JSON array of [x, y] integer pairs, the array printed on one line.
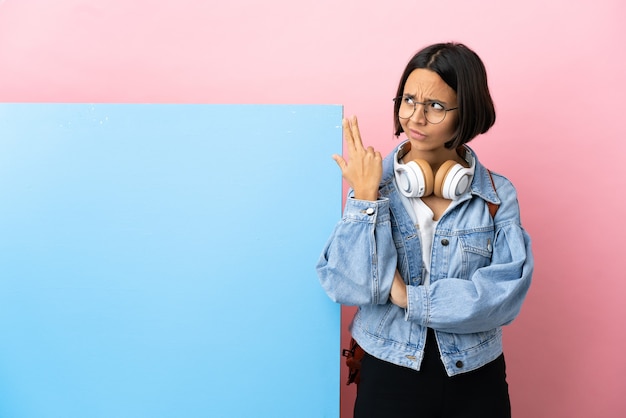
[[418, 115]]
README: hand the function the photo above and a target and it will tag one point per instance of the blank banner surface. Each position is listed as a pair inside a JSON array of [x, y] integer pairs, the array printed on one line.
[[159, 260]]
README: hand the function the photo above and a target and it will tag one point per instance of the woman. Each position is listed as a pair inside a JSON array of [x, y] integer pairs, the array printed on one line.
[[431, 250]]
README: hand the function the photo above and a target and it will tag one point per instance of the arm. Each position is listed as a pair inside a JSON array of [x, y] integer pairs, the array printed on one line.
[[493, 295], [358, 262]]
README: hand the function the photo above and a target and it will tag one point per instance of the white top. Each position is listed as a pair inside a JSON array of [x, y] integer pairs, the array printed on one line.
[[426, 225], [422, 217]]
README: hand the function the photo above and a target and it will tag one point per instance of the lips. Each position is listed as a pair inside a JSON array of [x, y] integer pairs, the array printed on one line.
[[415, 134]]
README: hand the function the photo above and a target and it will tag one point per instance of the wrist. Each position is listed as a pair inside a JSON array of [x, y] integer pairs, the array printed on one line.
[[371, 196]]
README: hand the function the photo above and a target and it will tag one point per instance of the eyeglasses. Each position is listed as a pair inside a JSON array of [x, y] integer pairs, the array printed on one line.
[[434, 112]]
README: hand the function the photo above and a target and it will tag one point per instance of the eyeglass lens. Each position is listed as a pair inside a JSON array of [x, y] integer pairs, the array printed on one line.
[[432, 114]]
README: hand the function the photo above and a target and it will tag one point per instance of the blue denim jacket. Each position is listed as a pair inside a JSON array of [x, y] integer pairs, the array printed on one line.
[[481, 270]]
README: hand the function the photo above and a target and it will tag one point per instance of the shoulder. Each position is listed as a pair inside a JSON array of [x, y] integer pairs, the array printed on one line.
[[488, 184], [497, 189], [508, 206], [502, 184]]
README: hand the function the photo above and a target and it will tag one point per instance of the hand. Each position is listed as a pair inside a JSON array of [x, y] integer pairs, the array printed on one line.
[[364, 170], [398, 294]]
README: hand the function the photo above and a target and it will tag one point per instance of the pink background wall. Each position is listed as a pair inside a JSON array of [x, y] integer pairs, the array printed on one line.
[[556, 71]]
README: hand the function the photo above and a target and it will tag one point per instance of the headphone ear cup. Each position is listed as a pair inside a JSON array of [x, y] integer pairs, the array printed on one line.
[[427, 175], [415, 178], [444, 178], [453, 180]]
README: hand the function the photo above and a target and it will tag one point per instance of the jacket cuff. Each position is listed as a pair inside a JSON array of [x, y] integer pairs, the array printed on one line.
[[417, 304], [366, 210]]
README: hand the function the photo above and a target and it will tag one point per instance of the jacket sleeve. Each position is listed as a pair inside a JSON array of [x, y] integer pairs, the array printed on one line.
[[493, 295], [359, 260]]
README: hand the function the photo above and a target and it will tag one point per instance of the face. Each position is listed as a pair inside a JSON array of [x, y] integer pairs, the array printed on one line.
[[426, 86]]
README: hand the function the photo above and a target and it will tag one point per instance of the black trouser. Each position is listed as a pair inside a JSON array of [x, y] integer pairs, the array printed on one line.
[[390, 391]]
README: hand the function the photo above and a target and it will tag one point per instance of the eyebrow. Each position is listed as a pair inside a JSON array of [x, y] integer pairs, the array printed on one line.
[[412, 96]]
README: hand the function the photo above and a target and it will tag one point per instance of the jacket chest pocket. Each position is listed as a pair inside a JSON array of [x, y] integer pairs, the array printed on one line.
[[476, 251]]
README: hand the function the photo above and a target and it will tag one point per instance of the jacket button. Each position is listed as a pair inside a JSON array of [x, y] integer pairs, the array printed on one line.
[[459, 364], [445, 242]]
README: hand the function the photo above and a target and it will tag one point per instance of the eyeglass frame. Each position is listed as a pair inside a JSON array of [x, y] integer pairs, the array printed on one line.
[[424, 104]]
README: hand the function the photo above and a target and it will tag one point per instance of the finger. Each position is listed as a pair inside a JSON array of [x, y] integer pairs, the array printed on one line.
[[340, 162], [347, 135], [356, 134], [375, 154]]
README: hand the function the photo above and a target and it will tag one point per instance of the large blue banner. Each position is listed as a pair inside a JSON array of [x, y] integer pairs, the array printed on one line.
[[158, 261]]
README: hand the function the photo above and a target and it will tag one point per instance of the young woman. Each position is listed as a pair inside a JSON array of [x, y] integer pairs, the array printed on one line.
[[431, 250]]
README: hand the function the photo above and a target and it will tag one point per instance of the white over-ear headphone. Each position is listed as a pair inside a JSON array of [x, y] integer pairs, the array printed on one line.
[[416, 178]]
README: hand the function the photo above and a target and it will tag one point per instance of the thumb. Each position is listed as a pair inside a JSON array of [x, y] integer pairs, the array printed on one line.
[[340, 161]]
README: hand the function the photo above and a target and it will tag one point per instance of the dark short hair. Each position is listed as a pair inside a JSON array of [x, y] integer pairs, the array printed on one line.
[[462, 69]]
